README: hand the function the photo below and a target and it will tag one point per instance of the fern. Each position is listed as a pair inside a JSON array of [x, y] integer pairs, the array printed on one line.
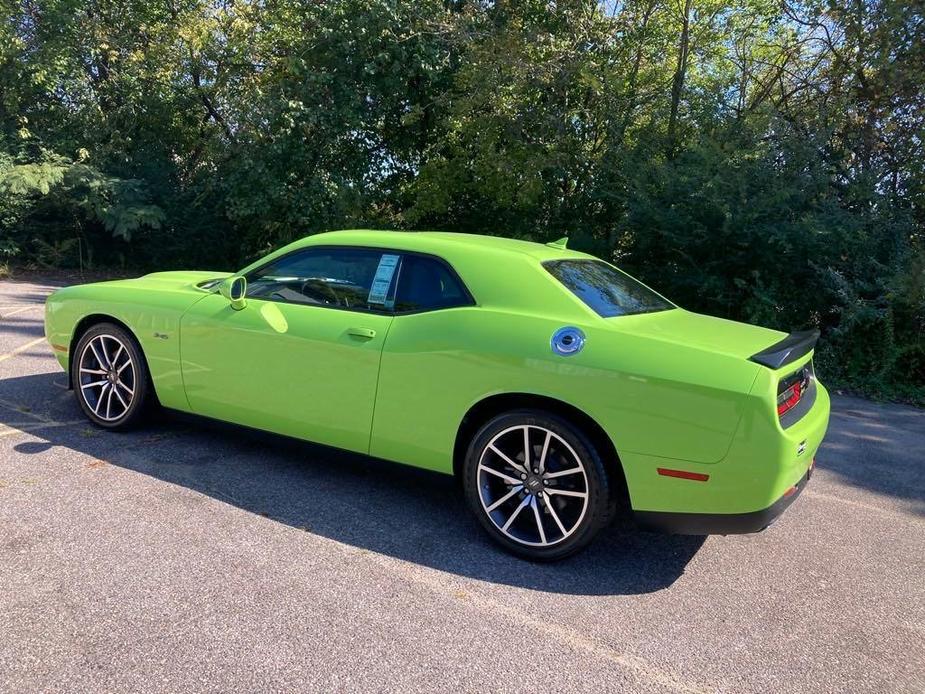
[[122, 206]]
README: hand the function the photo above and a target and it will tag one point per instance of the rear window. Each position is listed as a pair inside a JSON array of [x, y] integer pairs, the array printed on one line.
[[605, 289]]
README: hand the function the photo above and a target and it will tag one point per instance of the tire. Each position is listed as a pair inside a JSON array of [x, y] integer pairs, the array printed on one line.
[[110, 377], [540, 516]]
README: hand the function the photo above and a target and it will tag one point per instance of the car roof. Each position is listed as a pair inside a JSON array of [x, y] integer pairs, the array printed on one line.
[[439, 242], [520, 285]]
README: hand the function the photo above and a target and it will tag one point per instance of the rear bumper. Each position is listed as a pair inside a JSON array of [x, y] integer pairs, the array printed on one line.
[[721, 523]]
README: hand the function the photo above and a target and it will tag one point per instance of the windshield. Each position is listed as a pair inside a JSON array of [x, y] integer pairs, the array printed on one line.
[[605, 289]]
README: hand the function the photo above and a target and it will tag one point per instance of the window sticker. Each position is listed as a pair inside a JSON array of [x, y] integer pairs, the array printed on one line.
[[383, 279]]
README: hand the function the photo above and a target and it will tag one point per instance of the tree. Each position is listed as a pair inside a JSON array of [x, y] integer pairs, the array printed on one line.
[[756, 159]]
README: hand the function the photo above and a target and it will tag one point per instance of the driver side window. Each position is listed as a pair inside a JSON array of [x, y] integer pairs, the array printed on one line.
[[348, 278]]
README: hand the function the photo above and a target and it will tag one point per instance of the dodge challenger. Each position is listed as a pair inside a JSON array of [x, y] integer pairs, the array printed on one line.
[[557, 388]]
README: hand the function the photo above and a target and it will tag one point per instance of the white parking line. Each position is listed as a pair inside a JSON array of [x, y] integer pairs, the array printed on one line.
[[13, 429], [7, 311], [439, 583], [23, 410], [21, 348], [860, 504]]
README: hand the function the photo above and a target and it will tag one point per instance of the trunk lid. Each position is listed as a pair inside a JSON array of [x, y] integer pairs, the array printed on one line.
[[697, 330]]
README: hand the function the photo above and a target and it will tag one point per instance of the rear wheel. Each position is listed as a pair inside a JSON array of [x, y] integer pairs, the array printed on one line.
[[110, 377], [537, 484]]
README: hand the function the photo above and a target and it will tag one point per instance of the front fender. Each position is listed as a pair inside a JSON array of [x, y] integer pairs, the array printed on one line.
[[152, 317]]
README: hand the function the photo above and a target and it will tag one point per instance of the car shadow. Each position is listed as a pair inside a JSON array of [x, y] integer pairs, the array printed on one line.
[[407, 513]]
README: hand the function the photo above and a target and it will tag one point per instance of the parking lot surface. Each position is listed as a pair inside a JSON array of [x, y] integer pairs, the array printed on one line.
[[195, 556]]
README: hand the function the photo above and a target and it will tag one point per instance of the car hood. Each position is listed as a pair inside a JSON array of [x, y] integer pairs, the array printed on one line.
[[183, 282], [699, 331], [178, 278]]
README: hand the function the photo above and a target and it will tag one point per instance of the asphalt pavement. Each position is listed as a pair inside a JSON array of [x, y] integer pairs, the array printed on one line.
[[195, 556]]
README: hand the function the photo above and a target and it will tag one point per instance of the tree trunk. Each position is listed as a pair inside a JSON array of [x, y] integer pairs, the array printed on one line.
[[677, 84], [632, 88]]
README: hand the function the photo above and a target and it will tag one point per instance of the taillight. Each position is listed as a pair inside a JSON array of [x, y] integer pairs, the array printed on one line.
[[791, 389], [789, 398]]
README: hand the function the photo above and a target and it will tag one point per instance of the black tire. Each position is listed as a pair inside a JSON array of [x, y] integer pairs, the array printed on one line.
[[127, 395], [548, 500]]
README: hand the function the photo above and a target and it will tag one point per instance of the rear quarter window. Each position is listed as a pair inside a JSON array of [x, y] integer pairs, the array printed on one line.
[[605, 289], [428, 284]]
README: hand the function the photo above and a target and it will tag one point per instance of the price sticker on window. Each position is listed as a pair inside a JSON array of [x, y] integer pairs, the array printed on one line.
[[379, 291]]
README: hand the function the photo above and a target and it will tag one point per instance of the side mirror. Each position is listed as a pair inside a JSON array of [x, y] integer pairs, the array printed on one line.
[[235, 290]]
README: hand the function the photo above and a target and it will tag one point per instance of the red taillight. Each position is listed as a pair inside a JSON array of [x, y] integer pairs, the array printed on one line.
[[789, 398]]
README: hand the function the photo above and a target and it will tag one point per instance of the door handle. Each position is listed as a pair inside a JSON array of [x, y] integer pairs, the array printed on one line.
[[368, 333]]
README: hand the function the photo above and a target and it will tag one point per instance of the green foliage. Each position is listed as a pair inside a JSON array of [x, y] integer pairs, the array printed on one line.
[[72, 194], [57, 254], [755, 159]]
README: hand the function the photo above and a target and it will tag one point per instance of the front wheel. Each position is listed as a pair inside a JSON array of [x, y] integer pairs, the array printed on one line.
[[537, 484], [110, 377]]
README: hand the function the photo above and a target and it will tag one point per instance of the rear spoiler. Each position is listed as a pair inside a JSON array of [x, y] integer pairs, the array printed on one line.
[[791, 348]]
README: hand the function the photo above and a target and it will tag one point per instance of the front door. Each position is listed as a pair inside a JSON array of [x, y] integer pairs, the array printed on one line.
[[302, 357]]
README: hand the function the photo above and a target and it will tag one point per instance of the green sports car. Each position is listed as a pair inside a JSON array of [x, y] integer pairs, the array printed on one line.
[[557, 388]]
